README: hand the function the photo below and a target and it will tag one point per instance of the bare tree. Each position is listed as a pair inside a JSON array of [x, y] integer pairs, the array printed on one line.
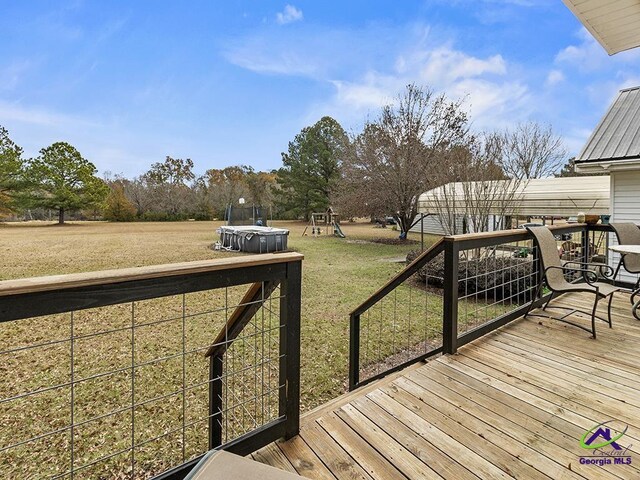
[[392, 161], [168, 184], [474, 189], [531, 150], [138, 193], [225, 186]]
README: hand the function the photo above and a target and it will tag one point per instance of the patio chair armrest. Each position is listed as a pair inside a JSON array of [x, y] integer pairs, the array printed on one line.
[[606, 271], [589, 276]]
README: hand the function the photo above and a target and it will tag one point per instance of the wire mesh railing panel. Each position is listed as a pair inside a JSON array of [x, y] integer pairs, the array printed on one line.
[[404, 325], [493, 281], [501, 278], [468, 286], [251, 383], [122, 391]]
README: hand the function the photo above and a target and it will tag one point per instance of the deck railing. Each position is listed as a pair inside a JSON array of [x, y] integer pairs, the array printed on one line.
[[138, 372], [461, 288]]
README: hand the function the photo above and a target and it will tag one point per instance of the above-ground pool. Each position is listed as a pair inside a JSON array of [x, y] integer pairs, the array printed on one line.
[[254, 239]]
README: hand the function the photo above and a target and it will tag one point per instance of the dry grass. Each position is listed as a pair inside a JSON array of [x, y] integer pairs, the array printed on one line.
[[338, 274]]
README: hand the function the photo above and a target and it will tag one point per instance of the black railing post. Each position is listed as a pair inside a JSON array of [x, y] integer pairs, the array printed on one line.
[[539, 275], [354, 351], [215, 401], [585, 244], [450, 297], [290, 300]]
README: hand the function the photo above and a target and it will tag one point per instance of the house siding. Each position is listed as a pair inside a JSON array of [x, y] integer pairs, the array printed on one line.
[[433, 225], [625, 207]]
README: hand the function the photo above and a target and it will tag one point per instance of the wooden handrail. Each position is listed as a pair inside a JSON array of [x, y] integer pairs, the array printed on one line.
[[105, 277], [486, 239], [409, 270], [499, 234], [450, 247], [473, 239], [253, 299]]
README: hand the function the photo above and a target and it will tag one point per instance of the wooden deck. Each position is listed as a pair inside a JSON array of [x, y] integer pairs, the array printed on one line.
[[514, 403]]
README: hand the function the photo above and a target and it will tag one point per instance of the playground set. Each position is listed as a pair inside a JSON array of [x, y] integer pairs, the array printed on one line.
[[328, 221]]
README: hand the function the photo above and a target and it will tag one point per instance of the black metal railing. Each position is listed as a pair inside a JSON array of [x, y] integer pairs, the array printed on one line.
[[467, 286], [106, 374]]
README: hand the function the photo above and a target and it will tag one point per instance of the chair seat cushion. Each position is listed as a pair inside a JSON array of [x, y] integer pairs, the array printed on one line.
[[604, 289], [221, 465]]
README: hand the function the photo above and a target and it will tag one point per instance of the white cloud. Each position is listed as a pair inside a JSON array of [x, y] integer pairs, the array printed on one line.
[[11, 75], [378, 67], [363, 96], [252, 56], [37, 116], [444, 65], [554, 77], [290, 14], [588, 55], [491, 99]]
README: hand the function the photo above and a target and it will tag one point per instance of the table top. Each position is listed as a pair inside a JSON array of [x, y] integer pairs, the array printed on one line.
[[628, 249]]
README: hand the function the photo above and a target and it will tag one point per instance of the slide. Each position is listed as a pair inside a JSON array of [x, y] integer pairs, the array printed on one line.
[[337, 231]]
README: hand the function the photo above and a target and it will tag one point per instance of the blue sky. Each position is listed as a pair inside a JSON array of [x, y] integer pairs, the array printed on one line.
[[232, 82]]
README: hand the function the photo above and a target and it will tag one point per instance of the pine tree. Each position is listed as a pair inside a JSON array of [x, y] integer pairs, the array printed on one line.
[[118, 208]]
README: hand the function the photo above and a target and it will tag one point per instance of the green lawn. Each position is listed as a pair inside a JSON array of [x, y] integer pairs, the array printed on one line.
[[338, 274]]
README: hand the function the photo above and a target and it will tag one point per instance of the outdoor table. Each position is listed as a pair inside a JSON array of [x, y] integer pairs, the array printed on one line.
[[630, 250]]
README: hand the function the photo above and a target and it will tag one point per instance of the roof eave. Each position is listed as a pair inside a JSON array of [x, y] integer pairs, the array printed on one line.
[[605, 37], [607, 165], [569, 4]]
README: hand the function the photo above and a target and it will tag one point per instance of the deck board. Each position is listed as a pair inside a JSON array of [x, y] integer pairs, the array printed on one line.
[[514, 403], [304, 459]]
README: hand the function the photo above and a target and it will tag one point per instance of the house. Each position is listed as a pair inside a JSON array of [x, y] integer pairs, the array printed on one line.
[[537, 198], [614, 148]]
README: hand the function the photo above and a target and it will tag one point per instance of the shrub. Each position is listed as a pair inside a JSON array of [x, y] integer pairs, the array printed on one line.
[[117, 207], [202, 216], [496, 276], [163, 217]]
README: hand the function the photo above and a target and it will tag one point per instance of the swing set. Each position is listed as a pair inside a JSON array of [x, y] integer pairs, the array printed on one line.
[[327, 221]]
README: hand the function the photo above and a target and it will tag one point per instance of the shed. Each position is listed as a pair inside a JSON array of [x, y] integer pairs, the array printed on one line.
[[614, 147]]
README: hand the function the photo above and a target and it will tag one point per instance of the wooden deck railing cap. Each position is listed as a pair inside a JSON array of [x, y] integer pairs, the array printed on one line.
[[86, 279], [506, 233]]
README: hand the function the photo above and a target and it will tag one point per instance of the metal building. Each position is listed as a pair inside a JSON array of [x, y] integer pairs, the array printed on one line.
[[546, 197]]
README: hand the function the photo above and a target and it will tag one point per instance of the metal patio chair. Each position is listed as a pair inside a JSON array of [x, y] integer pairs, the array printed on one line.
[[628, 234], [553, 275]]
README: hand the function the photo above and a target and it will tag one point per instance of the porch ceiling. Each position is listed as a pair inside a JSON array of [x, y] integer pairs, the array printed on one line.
[[614, 23]]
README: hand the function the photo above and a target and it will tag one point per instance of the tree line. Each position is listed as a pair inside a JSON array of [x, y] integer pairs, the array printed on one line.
[[419, 141], [62, 181]]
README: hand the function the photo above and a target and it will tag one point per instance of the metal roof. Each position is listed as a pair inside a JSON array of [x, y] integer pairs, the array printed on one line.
[[613, 23], [561, 197], [617, 136]]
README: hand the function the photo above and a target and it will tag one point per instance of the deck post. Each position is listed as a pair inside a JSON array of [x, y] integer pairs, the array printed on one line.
[[450, 297], [215, 401], [585, 245], [290, 300], [538, 277], [354, 351]]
